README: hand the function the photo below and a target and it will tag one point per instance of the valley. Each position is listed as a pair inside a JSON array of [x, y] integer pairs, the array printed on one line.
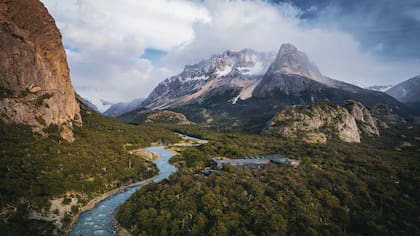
[[216, 138], [99, 219], [339, 188]]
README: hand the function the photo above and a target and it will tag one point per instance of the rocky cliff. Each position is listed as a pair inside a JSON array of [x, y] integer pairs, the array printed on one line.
[[323, 121], [35, 86]]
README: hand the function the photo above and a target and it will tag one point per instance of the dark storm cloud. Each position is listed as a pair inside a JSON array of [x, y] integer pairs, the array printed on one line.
[[391, 26]]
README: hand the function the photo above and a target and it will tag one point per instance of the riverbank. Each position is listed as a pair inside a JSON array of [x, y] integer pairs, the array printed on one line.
[[100, 211], [92, 203], [121, 231]]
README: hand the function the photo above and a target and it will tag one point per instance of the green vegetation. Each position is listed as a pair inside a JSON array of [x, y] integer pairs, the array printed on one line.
[[40, 100], [34, 168], [5, 92], [339, 189]]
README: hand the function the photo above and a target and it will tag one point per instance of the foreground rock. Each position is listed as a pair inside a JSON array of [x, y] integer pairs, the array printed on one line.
[[323, 121], [35, 86]]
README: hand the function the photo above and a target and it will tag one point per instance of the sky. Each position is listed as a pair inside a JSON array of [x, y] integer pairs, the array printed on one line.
[[120, 50]]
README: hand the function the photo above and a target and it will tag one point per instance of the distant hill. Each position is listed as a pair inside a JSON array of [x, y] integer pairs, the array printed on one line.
[[123, 107], [87, 103], [408, 92]]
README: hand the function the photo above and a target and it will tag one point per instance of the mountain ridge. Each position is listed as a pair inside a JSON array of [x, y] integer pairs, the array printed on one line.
[[222, 87], [407, 91]]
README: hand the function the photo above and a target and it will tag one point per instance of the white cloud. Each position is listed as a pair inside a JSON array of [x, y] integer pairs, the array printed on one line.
[[105, 39], [262, 26]]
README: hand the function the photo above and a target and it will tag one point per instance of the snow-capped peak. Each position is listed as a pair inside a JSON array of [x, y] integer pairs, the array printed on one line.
[[237, 69]]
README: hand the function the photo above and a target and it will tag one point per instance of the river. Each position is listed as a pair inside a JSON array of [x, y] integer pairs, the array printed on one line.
[[99, 220]]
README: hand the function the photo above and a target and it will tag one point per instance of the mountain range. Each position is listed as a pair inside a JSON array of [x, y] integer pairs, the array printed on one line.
[[123, 107], [248, 87]]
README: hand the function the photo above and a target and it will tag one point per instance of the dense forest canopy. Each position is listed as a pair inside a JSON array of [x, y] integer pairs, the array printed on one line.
[[339, 189]]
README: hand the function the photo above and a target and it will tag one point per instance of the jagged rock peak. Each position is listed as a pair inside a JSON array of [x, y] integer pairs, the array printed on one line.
[[290, 60], [34, 81], [246, 61], [239, 69]]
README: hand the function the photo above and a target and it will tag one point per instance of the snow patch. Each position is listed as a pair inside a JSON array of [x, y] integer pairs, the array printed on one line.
[[404, 92], [235, 99], [246, 93], [202, 77], [224, 72]]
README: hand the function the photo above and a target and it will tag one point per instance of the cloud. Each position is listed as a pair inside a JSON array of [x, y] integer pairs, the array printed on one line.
[[105, 41], [263, 26]]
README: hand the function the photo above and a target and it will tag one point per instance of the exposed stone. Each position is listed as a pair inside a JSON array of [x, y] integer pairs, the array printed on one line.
[[34, 68], [322, 121], [34, 89], [367, 123], [167, 117]]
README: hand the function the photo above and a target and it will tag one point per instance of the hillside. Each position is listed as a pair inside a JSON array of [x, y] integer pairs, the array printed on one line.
[[338, 189], [36, 169], [408, 92]]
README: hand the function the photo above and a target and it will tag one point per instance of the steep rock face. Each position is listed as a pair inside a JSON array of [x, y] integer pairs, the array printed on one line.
[[34, 81], [366, 122], [290, 60], [292, 73], [322, 121]]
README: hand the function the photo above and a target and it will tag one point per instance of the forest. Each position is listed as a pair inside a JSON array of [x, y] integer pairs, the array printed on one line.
[[35, 168], [338, 189]]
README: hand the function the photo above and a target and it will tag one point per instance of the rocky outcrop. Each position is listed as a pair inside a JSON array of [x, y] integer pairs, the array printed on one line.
[[323, 121], [167, 117], [366, 122], [34, 81]]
